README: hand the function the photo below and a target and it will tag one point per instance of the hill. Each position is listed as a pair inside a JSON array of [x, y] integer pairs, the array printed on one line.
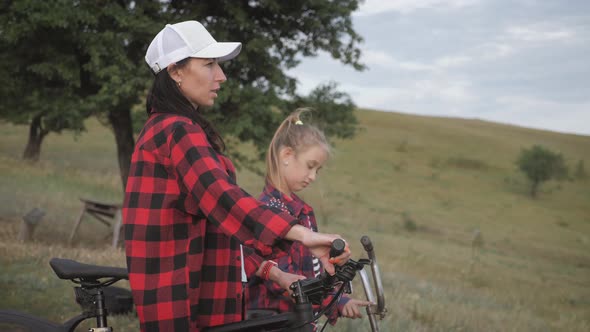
[[460, 243]]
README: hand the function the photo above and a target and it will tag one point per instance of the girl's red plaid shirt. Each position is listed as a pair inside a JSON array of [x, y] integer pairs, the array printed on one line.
[[265, 294]]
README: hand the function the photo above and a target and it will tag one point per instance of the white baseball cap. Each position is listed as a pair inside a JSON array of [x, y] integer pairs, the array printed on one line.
[[187, 39]]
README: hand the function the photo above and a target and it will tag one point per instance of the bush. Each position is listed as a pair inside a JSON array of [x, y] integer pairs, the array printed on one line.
[[540, 164], [409, 223]]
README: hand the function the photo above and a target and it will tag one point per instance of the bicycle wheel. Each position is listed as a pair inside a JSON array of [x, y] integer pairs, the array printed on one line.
[[15, 321]]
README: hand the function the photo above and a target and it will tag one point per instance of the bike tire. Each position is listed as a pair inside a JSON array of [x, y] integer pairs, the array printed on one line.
[[16, 321]]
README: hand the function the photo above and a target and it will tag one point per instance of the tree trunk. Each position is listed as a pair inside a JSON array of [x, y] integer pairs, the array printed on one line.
[[36, 135], [123, 128], [534, 188]]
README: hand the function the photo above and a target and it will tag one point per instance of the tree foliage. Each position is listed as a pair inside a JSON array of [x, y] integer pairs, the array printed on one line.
[[68, 60], [540, 164], [333, 110]]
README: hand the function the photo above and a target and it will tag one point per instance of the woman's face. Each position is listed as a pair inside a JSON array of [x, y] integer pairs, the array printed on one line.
[[200, 80]]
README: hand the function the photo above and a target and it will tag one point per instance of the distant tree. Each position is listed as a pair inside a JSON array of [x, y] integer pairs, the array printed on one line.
[[540, 164], [69, 60], [333, 109]]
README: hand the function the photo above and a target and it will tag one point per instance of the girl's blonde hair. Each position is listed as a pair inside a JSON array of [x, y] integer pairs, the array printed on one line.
[[295, 134]]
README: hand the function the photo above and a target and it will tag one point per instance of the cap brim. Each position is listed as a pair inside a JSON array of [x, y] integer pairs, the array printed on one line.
[[220, 51]]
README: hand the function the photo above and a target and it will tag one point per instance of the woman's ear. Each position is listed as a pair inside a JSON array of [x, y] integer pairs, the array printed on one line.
[[174, 72]]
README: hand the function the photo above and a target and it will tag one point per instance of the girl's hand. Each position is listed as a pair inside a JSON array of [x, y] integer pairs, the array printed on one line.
[[284, 279], [319, 244], [351, 308]]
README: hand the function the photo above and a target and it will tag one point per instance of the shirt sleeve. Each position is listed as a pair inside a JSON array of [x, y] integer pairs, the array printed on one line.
[[221, 200], [252, 262], [336, 312]]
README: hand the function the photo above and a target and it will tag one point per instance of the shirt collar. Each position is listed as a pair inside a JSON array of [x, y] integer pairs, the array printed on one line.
[[295, 204]]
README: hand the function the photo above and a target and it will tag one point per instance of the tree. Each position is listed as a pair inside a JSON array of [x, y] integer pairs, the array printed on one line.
[[540, 164], [333, 110], [73, 59], [68, 60], [37, 71]]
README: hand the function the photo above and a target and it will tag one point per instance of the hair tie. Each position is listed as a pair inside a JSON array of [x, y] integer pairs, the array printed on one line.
[[298, 122]]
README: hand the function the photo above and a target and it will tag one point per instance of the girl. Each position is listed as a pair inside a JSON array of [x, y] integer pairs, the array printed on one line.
[[183, 212], [296, 154]]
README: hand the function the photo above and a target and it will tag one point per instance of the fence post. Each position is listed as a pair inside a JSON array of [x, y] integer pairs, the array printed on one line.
[[30, 221]]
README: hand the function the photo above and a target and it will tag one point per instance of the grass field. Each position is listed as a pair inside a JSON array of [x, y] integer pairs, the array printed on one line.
[[420, 187]]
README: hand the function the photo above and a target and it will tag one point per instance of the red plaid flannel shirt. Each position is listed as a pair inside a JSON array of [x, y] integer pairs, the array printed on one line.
[[265, 294], [185, 218]]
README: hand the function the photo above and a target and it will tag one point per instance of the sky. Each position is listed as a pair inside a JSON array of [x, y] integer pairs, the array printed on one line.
[[520, 62]]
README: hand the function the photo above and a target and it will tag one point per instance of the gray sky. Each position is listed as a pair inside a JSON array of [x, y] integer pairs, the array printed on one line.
[[522, 62]]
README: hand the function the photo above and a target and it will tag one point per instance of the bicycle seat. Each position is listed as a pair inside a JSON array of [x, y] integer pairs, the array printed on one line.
[[70, 269]]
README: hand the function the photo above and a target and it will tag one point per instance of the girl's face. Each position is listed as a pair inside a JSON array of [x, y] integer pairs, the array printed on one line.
[[299, 170], [200, 80]]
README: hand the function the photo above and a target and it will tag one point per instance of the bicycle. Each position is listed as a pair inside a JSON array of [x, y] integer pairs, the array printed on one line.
[[93, 280], [90, 294], [311, 291]]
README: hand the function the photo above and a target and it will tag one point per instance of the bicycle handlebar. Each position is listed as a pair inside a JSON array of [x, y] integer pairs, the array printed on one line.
[[337, 248], [368, 245]]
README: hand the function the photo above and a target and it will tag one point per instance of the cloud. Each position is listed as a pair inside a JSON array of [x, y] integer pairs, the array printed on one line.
[[495, 50], [374, 58], [412, 97], [372, 7], [382, 59], [539, 33], [510, 41], [452, 61]]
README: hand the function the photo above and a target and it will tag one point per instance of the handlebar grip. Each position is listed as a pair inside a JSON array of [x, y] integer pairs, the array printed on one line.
[[337, 249], [367, 244]]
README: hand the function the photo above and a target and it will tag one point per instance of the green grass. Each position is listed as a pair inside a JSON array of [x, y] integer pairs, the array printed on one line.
[[450, 177]]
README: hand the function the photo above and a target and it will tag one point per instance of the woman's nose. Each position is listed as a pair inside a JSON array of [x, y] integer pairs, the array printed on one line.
[[219, 75]]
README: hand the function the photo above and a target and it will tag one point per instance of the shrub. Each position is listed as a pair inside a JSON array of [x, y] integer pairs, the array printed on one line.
[[540, 164], [409, 223]]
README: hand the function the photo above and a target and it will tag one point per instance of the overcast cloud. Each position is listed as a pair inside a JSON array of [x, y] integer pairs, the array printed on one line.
[[522, 62]]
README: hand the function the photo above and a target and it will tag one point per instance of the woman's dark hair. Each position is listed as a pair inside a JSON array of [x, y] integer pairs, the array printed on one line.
[[165, 97]]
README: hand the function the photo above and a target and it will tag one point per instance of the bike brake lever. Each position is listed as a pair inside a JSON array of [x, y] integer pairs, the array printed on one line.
[[368, 245], [364, 261]]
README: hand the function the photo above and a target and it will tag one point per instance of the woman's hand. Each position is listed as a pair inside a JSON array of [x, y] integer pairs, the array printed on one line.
[[351, 308], [319, 244]]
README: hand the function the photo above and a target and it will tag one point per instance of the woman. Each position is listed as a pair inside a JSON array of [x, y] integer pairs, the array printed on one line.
[[184, 214]]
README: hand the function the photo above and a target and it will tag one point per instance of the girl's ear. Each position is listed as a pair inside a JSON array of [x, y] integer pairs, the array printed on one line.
[[286, 153]]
